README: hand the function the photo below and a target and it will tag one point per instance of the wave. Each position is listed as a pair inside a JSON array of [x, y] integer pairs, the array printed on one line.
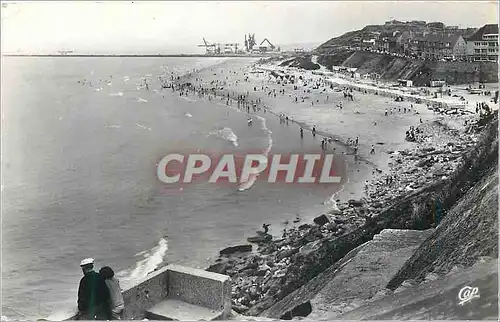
[[253, 177], [150, 261], [112, 126], [226, 134], [331, 202], [116, 94], [143, 127], [188, 99], [141, 100], [188, 115]]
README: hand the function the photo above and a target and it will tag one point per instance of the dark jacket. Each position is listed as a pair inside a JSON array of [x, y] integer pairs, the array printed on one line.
[[93, 296]]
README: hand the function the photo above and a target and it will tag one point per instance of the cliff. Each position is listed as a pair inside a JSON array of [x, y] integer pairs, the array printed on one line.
[[391, 68]]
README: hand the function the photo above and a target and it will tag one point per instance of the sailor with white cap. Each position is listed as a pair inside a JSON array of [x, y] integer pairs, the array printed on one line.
[[93, 294], [87, 262]]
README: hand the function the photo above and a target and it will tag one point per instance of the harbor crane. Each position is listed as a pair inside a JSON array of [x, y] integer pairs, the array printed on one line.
[[249, 42], [210, 49]]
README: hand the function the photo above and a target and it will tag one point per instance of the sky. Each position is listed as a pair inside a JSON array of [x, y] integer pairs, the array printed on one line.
[[173, 27]]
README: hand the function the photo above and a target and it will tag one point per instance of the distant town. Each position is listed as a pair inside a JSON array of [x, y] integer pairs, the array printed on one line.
[[422, 40]]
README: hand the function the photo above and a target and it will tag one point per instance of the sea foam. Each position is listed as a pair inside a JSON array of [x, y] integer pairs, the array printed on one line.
[[151, 259], [226, 134]]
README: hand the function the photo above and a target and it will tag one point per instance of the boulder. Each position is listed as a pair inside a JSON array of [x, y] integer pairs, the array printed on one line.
[[286, 253], [220, 267], [331, 226], [309, 248], [322, 220], [236, 249], [263, 238], [425, 162], [339, 220], [239, 308], [335, 211], [304, 226], [356, 203]]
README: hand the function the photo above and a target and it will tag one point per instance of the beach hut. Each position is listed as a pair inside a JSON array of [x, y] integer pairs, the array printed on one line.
[[437, 83], [405, 82]]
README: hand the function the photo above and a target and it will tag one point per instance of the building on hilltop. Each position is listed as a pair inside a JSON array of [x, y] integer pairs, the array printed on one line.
[[439, 47], [436, 25], [420, 23], [393, 22], [483, 44]]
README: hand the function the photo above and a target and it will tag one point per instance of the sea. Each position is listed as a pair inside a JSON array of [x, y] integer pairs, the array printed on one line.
[[81, 139]]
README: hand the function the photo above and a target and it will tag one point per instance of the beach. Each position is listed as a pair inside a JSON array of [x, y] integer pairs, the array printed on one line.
[[397, 167]]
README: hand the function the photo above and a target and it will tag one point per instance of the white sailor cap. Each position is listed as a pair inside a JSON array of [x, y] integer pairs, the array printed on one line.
[[87, 261]]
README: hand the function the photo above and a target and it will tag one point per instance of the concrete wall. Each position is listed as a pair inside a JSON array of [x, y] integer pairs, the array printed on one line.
[[200, 287], [190, 285]]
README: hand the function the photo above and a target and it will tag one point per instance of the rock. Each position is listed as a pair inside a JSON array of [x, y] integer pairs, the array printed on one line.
[[425, 162], [220, 267], [304, 226], [335, 211], [236, 249], [322, 220], [339, 220], [331, 226], [309, 248], [286, 253], [356, 203], [263, 238], [239, 308]]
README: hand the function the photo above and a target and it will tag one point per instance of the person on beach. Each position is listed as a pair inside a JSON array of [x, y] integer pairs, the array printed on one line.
[[93, 294], [314, 131], [372, 151], [116, 298], [301, 132]]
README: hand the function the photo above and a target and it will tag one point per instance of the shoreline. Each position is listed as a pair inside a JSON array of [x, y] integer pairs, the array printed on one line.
[[225, 93], [254, 290]]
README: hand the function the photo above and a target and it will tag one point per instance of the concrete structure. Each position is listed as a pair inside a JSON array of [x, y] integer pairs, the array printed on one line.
[[437, 299], [483, 44], [357, 277], [174, 293]]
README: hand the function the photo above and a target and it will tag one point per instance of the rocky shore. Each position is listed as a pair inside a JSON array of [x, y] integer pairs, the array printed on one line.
[[278, 267]]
